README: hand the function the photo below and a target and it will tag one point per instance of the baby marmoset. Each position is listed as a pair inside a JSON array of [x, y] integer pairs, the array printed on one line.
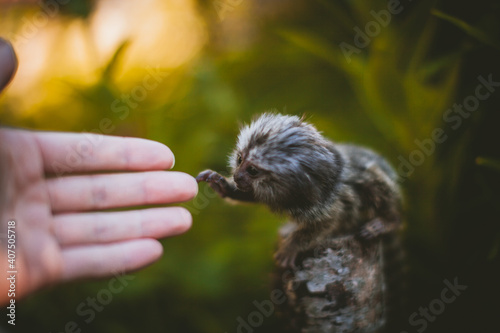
[[327, 189]]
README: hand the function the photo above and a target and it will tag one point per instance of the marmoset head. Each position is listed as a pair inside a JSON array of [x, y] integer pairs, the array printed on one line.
[[285, 162]]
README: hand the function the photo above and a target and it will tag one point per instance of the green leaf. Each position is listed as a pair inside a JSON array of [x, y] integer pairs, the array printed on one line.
[[112, 63], [322, 49], [469, 29]]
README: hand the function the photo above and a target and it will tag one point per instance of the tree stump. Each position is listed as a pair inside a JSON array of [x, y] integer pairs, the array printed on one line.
[[337, 288]]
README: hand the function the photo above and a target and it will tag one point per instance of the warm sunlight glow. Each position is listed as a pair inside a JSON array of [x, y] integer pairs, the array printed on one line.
[[53, 49]]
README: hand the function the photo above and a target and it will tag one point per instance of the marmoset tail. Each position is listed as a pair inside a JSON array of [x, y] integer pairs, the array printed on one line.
[[327, 189]]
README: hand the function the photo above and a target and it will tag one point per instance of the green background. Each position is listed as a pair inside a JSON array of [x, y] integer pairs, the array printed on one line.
[[285, 55]]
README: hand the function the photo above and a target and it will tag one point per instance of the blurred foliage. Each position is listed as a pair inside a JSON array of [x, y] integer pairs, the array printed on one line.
[[286, 55], [82, 8]]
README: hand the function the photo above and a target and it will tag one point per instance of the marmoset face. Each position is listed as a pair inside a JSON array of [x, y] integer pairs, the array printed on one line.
[[246, 173], [281, 160]]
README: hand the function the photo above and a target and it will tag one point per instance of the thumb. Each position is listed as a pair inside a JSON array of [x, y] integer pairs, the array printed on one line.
[[8, 63]]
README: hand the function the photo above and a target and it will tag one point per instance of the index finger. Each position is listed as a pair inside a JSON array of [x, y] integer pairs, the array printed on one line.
[[64, 153]]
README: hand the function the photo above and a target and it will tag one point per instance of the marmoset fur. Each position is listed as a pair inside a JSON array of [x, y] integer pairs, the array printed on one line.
[[327, 189]]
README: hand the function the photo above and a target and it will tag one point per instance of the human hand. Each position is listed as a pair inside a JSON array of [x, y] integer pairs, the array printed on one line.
[[61, 234]]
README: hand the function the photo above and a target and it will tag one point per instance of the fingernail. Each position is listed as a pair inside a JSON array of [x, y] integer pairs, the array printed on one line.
[[196, 188], [186, 218]]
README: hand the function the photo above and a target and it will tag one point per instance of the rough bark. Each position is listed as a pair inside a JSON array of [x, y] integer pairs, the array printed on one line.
[[338, 288]]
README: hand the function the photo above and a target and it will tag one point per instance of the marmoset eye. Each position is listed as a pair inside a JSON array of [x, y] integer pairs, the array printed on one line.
[[239, 159]]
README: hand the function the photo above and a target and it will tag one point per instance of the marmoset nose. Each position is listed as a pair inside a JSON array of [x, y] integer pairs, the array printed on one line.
[[242, 181], [239, 177]]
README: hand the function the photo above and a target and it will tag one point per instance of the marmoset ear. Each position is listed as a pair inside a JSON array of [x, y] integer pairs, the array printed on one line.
[[8, 63]]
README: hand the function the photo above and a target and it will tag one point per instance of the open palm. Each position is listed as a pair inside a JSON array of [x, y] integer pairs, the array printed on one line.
[[61, 234]]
